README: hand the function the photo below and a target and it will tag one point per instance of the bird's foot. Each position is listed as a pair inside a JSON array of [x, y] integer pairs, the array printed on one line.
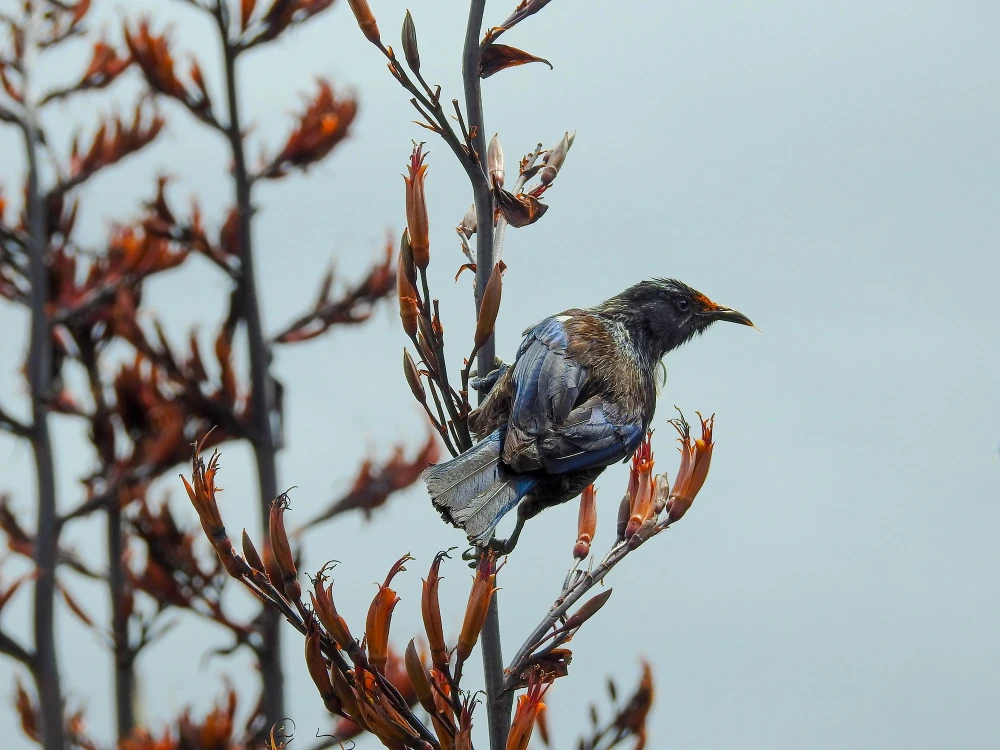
[[485, 384], [499, 546]]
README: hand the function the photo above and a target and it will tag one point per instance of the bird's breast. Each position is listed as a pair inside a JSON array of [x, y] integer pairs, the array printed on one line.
[[618, 370]]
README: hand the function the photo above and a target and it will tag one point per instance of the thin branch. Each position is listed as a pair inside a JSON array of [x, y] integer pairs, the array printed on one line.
[[529, 9], [433, 105], [269, 32], [461, 125], [40, 379], [452, 403], [577, 584], [16, 236], [62, 36], [442, 421], [429, 122], [125, 140], [261, 384], [354, 306], [13, 426], [93, 301], [124, 655], [16, 651], [23, 543], [376, 482], [9, 115]]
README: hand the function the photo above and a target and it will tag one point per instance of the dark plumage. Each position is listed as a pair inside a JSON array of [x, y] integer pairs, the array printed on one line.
[[579, 397]]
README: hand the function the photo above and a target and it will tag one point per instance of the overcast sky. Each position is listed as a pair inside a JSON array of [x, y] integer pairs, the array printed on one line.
[[830, 169]]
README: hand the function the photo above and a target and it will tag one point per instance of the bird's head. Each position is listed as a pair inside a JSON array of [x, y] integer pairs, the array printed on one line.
[[665, 313]]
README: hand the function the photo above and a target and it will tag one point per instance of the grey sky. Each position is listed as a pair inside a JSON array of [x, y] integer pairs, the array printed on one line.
[[830, 169]]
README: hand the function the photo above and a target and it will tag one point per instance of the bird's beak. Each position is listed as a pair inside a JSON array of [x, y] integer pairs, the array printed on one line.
[[725, 313]]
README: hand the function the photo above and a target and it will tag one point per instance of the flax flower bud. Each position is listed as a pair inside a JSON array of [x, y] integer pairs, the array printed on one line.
[[319, 671], [271, 569], [366, 21], [686, 449], [418, 678], [406, 258], [637, 458], [445, 733], [702, 456], [528, 706], [347, 695], [409, 311], [430, 608], [380, 616], [323, 606], [554, 159], [587, 610], [381, 717], [489, 308], [426, 352], [643, 500], [463, 737], [467, 227], [413, 378], [494, 161], [282, 551], [442, 718], [250, 553], [483, 588], [586, 523], [201, 490], [696, 457], [410, 51], [624, 509], [416, 208]]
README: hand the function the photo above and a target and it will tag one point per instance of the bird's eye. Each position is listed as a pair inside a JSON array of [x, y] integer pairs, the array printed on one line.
[[683, 305]]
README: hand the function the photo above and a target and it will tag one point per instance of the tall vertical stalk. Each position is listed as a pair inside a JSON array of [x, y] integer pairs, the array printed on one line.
[[124, 658], [261, 396], [40, 381], [498, 705], [124, 655]]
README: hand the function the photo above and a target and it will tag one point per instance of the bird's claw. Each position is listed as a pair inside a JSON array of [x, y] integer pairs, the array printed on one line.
[[500, 547], [485, 384]]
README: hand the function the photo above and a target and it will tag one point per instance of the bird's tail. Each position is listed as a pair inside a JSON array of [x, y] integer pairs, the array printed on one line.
[[475, 490]]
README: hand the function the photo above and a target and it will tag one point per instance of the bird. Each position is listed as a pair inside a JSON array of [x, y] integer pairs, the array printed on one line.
[[578, 397]]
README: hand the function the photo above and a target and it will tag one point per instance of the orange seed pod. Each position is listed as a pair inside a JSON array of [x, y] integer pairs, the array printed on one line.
[[282, 551], [430, 609], [483, 588], [416, 208], [418, 678], [380, 617], [408, 308], [319, 671], [586, 523], [366, 20]]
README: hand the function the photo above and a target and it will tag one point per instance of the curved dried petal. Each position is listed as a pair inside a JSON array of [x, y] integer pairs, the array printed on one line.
[[497, 57], [489, 308]]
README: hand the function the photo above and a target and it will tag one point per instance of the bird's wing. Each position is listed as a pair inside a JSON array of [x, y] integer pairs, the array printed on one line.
[[548, 429], [547, 381], [595, 434]]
